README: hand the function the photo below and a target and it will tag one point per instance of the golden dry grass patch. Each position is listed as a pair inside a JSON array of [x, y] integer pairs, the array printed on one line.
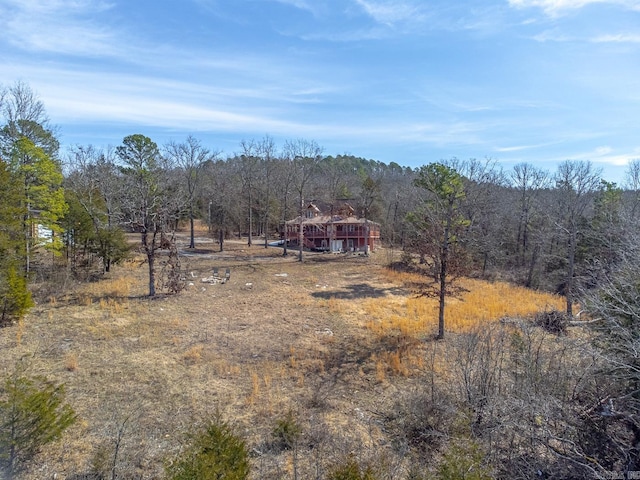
[[71, 361], [396, 320], [117, 287], [477, 302], [485, 301]]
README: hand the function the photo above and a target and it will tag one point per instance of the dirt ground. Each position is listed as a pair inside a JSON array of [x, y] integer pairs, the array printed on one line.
[[279, 337]]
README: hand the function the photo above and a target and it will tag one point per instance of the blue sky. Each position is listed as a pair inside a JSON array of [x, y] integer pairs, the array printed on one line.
[[409, 81]]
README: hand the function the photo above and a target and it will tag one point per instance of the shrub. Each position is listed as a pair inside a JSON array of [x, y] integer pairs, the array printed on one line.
[[15, 298], [214, 452], [350, 469], [32, 414], [419, 421], [464, 460], [286, 432], [553, 321]]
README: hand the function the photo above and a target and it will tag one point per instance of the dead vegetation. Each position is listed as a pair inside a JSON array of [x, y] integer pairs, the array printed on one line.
[[337, 350]]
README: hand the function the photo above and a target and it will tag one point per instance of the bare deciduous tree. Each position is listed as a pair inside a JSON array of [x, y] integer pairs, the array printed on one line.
[[304, 157], [190, 156], [528, 182], [575, 184]]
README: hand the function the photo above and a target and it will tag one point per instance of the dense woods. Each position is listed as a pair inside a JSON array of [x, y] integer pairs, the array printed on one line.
[[547, 230], [567, 231]]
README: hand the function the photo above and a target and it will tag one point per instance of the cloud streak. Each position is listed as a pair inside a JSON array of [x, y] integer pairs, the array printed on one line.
[[392, 13], [57, 26], [555, 8], [309, 6], [617, 38]]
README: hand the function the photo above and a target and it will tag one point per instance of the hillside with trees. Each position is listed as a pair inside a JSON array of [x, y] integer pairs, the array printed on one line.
[[546, 394]]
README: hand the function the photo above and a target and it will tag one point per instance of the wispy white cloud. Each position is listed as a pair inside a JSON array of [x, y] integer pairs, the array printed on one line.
[[57, 26], [239, 67], [604, 155], [517, 148], [609, 156], [558, 36], [521, 148], [97, 97], [93, 98], [354, 35], [553, 36], [308, 5], [131, 107], [391, 13], [390, 18], [603, 150], [617, 38], [555, 8]]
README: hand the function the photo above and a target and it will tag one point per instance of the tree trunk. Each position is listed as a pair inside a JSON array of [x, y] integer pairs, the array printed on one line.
[[532, 265], [250, 219], [149, 249], [444, 257], [152, 273], [300, 239], [286, 239], [192, 243], [571, 271], [301, 230], [443, 290]]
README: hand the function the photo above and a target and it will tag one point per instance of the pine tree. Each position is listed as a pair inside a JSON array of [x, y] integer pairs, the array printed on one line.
[[15, 298], [29, 146], [440, 224], [214, 452], [32, 414], [88, 232], [40, 178], [152, 205]]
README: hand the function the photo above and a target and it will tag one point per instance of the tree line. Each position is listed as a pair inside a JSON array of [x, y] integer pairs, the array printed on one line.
[[556, 231]]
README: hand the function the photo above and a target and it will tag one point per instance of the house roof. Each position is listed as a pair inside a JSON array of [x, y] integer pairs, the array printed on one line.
[[313, 207], [325, 213], [326, 219], [340, 207]]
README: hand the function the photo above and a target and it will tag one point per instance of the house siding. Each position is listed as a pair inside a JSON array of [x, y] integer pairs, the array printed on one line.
[[333, 233]]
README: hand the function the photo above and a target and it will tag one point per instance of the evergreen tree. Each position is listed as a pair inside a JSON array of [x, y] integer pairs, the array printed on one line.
[[440, 224], [40, 178], [88, 231], [29, 145], [32, 414], [15, 298], [152, 204], [215, 452]]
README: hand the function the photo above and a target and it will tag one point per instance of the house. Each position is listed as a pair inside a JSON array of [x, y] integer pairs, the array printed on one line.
[[335, 229]]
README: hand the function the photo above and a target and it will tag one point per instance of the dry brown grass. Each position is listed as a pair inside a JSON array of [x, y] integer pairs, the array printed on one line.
[[335, 335], [416, 316], [193, 355], [477, 303], [71, 361]]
